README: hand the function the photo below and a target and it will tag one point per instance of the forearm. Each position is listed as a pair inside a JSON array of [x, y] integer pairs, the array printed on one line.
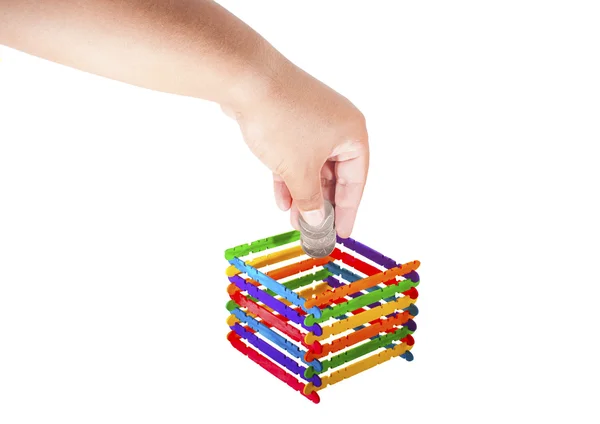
[[187, 47]]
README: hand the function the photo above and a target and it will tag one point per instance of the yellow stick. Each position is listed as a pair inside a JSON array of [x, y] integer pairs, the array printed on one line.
[[360, 319], [358, 367], [270, 259]]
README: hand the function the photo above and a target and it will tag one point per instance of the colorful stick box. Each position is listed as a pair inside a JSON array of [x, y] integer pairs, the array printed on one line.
[[315, 322]]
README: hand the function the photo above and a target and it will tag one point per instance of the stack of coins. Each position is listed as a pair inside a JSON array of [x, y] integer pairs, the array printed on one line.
[[319, 241]]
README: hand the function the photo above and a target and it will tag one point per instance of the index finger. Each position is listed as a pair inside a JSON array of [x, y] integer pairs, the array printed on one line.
[[351, 176]]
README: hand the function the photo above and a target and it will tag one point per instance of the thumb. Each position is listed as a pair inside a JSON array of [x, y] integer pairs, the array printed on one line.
[[305, 189]]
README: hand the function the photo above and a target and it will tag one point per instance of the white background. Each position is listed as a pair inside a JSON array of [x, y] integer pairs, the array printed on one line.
[[116, 204]]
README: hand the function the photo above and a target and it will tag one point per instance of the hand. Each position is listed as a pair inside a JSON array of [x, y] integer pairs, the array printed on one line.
[[313, 140]]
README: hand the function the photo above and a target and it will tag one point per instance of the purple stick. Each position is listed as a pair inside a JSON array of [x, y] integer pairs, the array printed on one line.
[[374, 255], [274, 304]]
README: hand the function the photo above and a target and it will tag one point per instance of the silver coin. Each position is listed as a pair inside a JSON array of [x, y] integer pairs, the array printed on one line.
[[319, 241]]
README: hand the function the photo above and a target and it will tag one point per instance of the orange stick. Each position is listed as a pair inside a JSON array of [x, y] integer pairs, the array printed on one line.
[[365, 283], [378, 326]]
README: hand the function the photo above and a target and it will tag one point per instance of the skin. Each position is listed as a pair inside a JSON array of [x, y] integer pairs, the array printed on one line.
[[312, 139]]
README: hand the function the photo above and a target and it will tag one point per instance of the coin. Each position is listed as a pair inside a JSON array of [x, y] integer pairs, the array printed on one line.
[[319, 241]]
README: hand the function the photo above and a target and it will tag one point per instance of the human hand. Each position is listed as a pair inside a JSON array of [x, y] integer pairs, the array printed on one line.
[[313, 140]]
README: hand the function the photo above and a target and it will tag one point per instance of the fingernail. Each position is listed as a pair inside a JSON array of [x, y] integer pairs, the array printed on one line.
[[314, 218]]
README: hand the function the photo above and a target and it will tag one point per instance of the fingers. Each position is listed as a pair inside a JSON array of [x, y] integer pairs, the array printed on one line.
[[283, 198], [351, 176], [327, 188], [328, 181], [229, 112], [341, 183], [294, 215], [305, 190]]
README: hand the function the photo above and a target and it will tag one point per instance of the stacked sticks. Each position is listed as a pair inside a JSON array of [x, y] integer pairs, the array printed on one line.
[[315, 322]]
